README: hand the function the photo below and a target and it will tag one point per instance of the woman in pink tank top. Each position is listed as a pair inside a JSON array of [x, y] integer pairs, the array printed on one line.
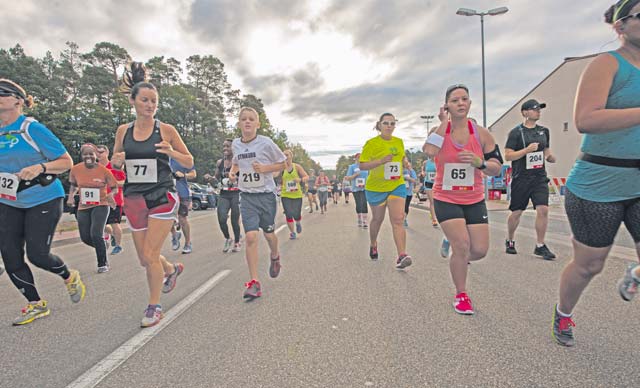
[[461, 150]]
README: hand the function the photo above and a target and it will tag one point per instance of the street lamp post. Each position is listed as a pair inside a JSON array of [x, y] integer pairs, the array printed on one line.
[[428, 118], [491, 12]]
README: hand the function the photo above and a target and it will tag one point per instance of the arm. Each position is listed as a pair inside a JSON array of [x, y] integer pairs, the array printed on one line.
[[430, 149], [267, 168], [494, 165], [590, 113], [191, 175], [302, 173], [117, 159], [510, 154], [548, 156], [73, 189], [174, 147]]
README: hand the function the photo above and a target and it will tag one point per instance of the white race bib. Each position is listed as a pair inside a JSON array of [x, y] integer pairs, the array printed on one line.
[[292, 186], [392, 171], [535, 160], [407, 185], [142, 170], [9, 186], [431, 176], [323, 188], [360, 183], [90, 196], [458, 177], [250, 179]]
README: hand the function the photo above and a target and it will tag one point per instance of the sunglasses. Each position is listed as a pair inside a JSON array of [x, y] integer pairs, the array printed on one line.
[[390, 123], [5, 93], [457, 86], [633, 15]]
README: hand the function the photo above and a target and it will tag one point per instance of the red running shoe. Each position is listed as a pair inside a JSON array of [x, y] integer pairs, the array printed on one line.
[[462, 304], [253, 290]]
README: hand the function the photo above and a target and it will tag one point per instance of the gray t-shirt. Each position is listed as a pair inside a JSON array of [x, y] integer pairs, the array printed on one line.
[[262, 150]]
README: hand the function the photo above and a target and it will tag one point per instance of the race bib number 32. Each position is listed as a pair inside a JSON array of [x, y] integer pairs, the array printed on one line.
[[142, 170], [250, 179], [458, 177], [392, 171], [90, 196], [9, 186], [535, 160]]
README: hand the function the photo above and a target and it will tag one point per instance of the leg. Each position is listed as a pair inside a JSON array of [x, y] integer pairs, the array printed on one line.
[[235, 217], [512, 223], [251, 239], [84, 226], [224, 204], [377, 216], [396, 216], [479, 241], [457, 233], [117, 233], [98, 221], [272, 240], [186, 228], [542, 220]]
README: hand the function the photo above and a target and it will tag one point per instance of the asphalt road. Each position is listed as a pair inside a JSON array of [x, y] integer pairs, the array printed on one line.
[[333, 318]]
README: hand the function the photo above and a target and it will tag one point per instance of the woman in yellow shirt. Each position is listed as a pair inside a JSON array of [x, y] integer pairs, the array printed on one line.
[[291, 194], [382, 157]]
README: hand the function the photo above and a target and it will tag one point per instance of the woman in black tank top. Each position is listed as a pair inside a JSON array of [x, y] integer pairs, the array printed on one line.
[[150, 201]]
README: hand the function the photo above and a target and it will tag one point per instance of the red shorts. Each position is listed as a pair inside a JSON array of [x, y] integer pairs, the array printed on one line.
[[138, 214]]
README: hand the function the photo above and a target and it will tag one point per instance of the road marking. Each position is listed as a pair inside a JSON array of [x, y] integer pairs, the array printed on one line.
[[102, 369], [617, 251]]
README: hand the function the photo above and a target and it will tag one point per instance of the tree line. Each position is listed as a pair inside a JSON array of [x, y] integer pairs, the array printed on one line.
[[78, 96]]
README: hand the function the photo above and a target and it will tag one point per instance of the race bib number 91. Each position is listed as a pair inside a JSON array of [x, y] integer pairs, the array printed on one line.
[[142, 170], [535, 160], [90, 196], [250, 179], [458, 177], [9, 186], [392, 171]]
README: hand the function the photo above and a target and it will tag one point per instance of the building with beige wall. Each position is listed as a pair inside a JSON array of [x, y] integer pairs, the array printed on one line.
[[558, 91]]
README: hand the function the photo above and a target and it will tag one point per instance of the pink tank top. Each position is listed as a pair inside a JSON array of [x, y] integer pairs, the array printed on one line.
[[458, 194]]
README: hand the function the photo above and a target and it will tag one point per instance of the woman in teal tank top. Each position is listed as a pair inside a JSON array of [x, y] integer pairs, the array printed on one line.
[[604, 184]]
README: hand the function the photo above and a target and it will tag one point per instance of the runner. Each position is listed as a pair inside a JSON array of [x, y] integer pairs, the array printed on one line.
[[97, 187], [255, 159], [311, 190], [30, 200], [346, 189], [462, 150], [150, 201], [528, 148], [603, 188], [358, 180], [322, 183], [383, 156], [228, 200], [113, 227], [182, 175], [429, 177], [291, 194], [410, 180], [335, 189]]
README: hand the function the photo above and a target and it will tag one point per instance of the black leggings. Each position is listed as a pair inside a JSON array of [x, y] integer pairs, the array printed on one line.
[[361, 202], [228, 201], [33, 227], [91, 224], [407, 203]]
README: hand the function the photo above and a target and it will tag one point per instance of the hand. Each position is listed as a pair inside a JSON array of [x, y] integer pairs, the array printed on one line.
[[179, 174], [207, 177], [164, 147], [257, 167], [469, 157], [117, 159], [533, 147], [71, 202], [551, 159], [443, 114], [28, 173], [111, 201], [232, 177], [387, 159]]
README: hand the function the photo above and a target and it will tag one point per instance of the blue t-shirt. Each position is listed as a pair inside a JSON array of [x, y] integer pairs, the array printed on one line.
[[430, 171], [16, 154], [363, 175], [410, 185], [181, 184], [599, 183]]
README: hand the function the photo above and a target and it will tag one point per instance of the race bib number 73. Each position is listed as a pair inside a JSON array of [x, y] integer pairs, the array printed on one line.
[[392, 170]]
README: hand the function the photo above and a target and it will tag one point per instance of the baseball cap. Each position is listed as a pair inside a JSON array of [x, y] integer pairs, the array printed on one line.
[[533, 104]]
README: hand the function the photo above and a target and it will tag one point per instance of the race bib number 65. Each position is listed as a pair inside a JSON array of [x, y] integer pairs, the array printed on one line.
[[142, 170], [458, 177], [9, 186]]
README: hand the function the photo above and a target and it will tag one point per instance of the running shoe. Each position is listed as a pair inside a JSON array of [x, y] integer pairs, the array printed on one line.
[[462, 304], [403, 261], [236, 247], [187, 249], [117, 249], [359, 223], [75, 286], [444, 248], [103, 269], [228, 243], [316, 207], [252, 290], [298, 227], [292, 236], [628, 285], [434, 223], [543, 252], [113, 241], [175, 241], [373, 253], [510, 247], [562, 329], [274, 268], [170, 281], [364, 224], [32, 312], [152, 315], [406, 223]]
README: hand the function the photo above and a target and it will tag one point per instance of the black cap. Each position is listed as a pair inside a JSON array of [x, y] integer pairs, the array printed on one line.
[[532, 104]]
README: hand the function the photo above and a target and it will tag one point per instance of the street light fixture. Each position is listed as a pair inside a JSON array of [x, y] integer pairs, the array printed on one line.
[[491, 12], [428, 118]]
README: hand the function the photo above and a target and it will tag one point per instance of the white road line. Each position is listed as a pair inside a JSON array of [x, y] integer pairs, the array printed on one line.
[[617, 251], [102, 369]]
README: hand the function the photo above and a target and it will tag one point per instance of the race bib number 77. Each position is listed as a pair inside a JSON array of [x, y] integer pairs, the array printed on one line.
[[142, 170]]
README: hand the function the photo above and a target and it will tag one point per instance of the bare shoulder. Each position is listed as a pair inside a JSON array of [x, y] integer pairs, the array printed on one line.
[[122, 128], [168, 129], [485, 135]]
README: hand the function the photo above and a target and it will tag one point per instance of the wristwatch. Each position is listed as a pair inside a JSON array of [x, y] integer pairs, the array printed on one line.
[[483, 166]]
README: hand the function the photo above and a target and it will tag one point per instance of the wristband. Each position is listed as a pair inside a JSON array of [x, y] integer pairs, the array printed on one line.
[[435, 139], [44, 168]]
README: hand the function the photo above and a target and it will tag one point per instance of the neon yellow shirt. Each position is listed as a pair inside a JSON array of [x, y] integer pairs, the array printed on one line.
[[288, 182], [377, 148]]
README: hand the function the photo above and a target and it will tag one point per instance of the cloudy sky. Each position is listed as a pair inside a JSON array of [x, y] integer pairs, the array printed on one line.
[[326, 69]]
